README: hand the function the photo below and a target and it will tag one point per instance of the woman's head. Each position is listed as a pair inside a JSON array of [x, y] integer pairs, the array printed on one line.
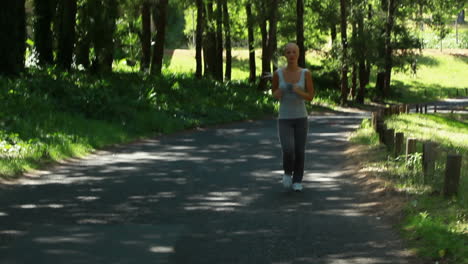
[[291, 52]]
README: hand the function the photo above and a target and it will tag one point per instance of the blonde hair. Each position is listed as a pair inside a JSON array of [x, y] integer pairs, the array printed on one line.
[[288, 45]]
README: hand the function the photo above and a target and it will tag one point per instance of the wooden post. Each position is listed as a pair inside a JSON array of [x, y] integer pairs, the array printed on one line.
[[417, 108], [380, 130], [410, 147], [402, 109], [407, 109], [375, 119], [435, 108], [389, 139], [399, 137], [452, 175], [429, 157], [425, 109]]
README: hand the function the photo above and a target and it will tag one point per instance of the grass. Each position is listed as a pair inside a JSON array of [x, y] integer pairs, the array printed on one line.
[[438, 76], [436, 227], [47, 116]]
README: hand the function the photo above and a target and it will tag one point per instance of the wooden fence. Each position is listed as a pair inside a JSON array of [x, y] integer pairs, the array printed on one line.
[[396, 145]]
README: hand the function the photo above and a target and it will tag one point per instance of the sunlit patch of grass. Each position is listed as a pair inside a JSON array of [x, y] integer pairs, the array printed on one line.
[[437, 76], [365, 134], [441, 129]]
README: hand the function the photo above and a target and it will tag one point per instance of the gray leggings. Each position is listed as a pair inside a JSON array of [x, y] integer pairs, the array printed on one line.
[[293, 139]]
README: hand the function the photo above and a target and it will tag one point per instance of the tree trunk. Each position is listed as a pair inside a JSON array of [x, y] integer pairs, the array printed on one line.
[[227, 29], [344, 42], [361, 60], [209, 47], [12, 37], [83, 28], [379, 83], [333, 33], [160, 20], [300, 31], [145, 36], [199, 39], [44, 11], [66, 33], [461, 17], [219, 40], [268, 41], [354, 36], [252, 64], [392, 5], [104, 13]]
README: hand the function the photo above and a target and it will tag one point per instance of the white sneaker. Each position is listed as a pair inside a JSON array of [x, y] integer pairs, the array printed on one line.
[[297, 187], [287, 181]]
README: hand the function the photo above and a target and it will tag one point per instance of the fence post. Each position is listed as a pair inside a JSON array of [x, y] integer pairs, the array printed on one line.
[[410, 147], [452, 175], [425, 109], [399, 137], [380, 130], [429, 157], [435, 108], [389, 139]]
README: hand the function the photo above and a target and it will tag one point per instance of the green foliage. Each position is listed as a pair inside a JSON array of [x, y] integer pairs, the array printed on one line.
[[365, 134], [49, 115], [435, 227]]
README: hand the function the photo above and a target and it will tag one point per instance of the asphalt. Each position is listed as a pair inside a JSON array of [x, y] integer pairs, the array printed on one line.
[[205, 196]]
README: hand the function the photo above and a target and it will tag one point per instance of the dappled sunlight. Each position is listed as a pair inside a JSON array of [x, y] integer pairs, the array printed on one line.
[[193, 197]]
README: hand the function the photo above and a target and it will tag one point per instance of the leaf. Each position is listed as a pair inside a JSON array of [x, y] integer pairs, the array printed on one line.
[[30, 42]]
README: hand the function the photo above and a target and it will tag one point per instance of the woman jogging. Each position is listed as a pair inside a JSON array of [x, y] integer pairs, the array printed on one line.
[[292, 86]]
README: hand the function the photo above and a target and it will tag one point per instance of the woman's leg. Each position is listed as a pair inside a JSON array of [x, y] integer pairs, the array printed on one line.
[[301, 129], [286, 136]]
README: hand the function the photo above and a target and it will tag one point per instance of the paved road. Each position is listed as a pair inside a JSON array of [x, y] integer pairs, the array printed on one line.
[[210, 196]]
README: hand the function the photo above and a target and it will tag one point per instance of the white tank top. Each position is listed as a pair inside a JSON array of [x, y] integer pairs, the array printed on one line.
[[292, 105]]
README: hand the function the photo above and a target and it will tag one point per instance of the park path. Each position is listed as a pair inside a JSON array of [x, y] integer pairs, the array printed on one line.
[[205, 196]]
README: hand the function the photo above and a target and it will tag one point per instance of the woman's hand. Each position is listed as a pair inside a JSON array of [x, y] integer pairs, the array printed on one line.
[[278, 94]]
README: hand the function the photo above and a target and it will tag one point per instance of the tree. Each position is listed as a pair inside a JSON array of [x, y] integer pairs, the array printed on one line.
[[392, 7], [160, 19], [66, 33], [103, 15], [12, 37], [251, 40], [199, 38], [344, 43], [209, 41], [227, 30], [219, 41], [268, 15], [83, 34], [44, 14], [300, 31], [145, 35]]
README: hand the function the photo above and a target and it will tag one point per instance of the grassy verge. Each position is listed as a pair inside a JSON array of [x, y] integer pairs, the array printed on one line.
[[435, 227], [47, 116]]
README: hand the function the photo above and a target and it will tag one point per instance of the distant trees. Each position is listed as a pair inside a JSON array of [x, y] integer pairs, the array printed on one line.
[[355, 35]]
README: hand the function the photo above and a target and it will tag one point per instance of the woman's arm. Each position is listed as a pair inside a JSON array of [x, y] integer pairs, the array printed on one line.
[[309, 92], [275, 91]]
